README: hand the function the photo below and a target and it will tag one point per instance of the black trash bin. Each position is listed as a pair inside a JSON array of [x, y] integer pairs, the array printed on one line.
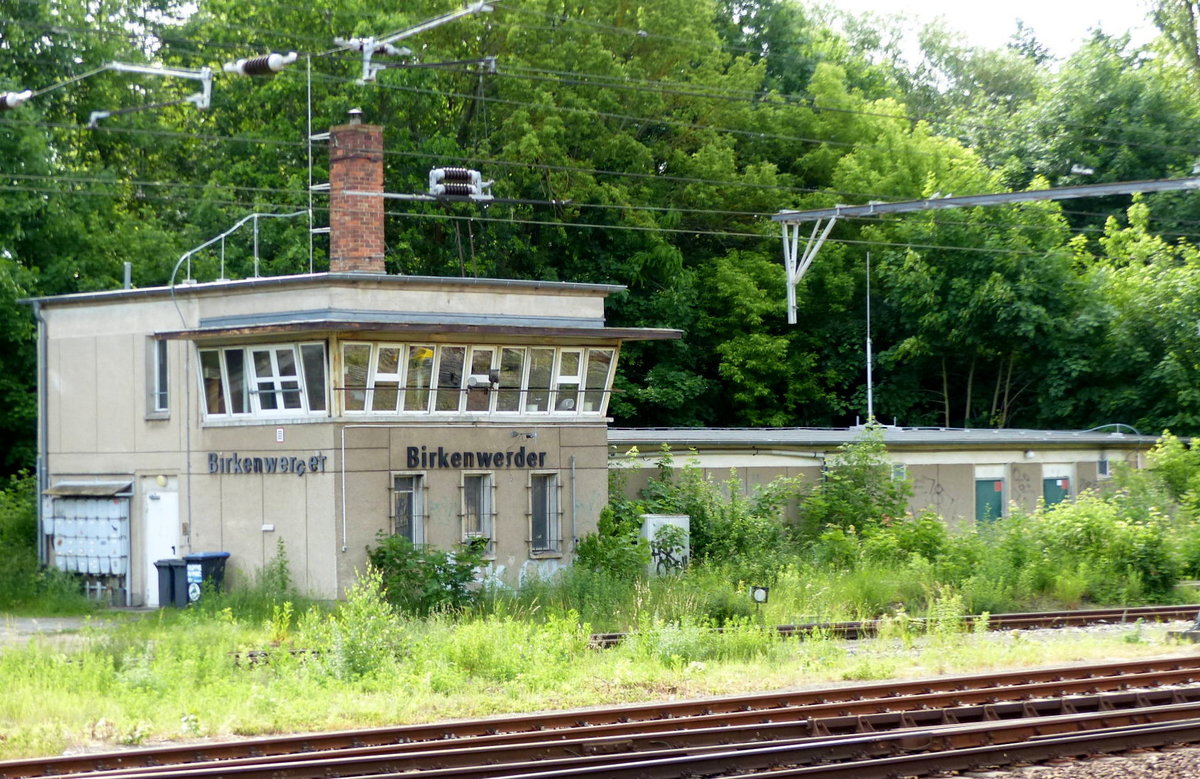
[[172, 582], [202, 567]]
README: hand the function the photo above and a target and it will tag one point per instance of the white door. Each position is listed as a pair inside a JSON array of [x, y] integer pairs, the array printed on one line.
[[160, 531]]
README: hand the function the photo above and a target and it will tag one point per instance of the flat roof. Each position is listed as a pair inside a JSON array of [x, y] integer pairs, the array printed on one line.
[[915, 437], [318, 279]]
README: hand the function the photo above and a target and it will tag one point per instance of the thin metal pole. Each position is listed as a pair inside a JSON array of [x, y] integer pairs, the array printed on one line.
[[870, 387], [308, 60]]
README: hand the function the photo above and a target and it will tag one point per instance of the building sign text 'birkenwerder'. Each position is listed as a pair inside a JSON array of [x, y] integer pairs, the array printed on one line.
[[421, 457], [294, 465]]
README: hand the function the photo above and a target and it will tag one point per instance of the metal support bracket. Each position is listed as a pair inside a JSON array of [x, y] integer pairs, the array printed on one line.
[[795, 263]]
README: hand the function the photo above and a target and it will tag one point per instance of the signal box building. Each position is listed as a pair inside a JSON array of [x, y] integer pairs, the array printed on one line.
[[319, 411]]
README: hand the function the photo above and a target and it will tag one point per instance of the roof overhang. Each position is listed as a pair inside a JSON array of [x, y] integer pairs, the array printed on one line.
[[90, 489], [439, 332]]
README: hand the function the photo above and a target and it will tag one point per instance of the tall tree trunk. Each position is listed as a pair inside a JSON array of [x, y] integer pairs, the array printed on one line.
[[945, 395], [1012, 358], [970, 388], [992, 418]]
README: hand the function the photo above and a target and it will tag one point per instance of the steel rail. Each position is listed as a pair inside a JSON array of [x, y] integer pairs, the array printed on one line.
[[821, 755], [1036, 750], [1018, 620], [426, 756], [883, 695]]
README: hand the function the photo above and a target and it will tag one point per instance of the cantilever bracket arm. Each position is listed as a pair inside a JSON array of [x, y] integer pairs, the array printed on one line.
[[371, 46], [795, 262], [201, 99]]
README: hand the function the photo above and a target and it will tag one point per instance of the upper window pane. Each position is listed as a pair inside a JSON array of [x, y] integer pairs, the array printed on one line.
[[479, 385], [512, 371], [599, 364], [450, 376], [214, 383], [356, 361], [541, 363], [239, 390], [420, 376], [313, 356]]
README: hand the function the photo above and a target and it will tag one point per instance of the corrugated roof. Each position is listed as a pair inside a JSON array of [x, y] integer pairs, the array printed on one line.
[[892, 436]]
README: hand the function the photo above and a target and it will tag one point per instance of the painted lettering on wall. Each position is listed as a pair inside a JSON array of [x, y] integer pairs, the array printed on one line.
[[299, 466], [424, 457]]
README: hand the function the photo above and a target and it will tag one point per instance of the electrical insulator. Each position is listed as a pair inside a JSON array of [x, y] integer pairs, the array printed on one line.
[[10, 100], [266, 65], [458, 182]]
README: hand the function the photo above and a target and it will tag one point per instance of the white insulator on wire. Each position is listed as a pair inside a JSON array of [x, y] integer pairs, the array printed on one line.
[[266, 65], [10, 100]]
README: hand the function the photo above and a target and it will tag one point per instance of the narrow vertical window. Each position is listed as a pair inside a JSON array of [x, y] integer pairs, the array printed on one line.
[[409, 519], [239, 390], [544, 524], [477, 507], [161, 397]]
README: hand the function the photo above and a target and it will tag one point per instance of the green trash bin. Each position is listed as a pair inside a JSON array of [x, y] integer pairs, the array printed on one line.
[[202, 567]]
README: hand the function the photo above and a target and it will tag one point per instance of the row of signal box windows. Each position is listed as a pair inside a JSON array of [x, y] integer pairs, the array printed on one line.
[[478, 510], [399, 378]]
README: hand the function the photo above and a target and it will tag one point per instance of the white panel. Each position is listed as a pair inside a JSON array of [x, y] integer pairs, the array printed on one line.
[[1058, 471]]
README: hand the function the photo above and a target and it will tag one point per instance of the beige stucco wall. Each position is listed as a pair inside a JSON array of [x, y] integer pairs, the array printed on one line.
[[947, 489], [97, 426]]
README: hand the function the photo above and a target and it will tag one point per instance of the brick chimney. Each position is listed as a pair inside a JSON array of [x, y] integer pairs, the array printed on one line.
[[355, 221]]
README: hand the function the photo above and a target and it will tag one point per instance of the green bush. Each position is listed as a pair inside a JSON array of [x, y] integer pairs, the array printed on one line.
[[419, 580], [858, 490]]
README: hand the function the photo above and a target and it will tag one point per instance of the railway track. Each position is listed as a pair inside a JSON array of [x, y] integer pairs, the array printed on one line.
[[1017, 621], [986, 718]]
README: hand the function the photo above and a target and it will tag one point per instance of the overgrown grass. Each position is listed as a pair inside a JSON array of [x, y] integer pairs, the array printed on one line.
[[25, 587], [186, 674]]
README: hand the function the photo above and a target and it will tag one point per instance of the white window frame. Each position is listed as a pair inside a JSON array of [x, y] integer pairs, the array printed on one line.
[[553, 515], [418, 503], [253, 407], [158, 379], [559, 380], [576, 382], [486, 512]]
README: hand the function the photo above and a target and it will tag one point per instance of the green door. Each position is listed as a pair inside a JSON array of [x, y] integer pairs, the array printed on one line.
[[989, 499], [1056, 490]]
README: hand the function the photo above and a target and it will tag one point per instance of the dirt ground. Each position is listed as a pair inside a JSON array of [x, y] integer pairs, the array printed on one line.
[[15, 631]]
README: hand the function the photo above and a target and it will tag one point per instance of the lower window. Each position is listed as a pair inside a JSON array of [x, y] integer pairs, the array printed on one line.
[[477, 511], [545, 536], [408, 499]]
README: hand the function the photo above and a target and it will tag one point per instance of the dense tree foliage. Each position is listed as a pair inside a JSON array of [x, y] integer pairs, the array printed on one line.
[[647, 144]]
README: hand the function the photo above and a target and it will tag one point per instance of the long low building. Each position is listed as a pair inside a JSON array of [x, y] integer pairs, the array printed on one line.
[[963, 475]]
